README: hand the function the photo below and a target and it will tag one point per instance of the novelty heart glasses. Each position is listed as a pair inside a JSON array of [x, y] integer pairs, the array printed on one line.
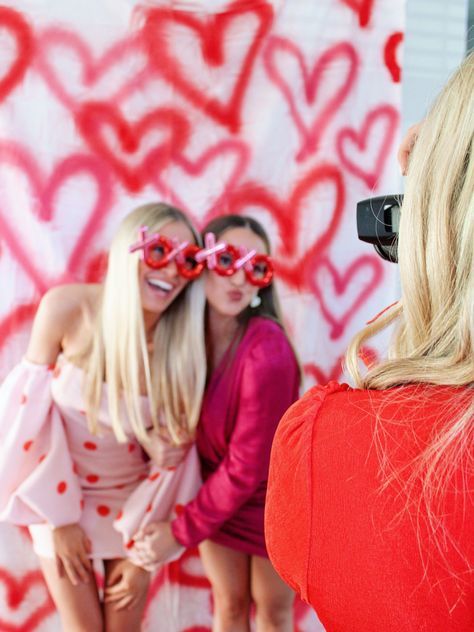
[[226, 260], [157, 251]]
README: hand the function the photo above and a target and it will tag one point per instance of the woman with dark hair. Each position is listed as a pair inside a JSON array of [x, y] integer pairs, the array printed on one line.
[[253, 376]]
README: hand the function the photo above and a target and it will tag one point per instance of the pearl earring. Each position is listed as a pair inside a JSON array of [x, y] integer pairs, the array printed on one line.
[[255, 302]]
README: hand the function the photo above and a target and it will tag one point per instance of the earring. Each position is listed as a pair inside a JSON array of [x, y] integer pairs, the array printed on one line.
[[255, 302]]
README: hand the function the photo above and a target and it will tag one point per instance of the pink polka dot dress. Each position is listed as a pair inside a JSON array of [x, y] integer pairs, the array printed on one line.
[[54, 472]]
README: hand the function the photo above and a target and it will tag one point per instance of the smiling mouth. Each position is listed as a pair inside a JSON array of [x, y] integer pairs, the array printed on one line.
[[159, 284]]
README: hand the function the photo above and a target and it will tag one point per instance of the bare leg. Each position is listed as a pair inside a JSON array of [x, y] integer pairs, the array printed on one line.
[[78, 606], [229, 574], [273, 598], [127, 619]]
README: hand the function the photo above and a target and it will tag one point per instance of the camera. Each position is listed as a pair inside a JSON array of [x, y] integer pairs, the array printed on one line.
[[378, 219]]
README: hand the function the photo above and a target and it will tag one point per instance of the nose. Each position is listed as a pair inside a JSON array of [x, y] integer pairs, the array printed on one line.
[[171, 270], [238, 279]]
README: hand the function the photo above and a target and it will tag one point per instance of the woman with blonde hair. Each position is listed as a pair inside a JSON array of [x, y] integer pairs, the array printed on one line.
[[379, 478], [110, 368]]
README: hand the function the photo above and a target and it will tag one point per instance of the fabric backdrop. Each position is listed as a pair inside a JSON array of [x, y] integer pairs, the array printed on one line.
[[285, 110]]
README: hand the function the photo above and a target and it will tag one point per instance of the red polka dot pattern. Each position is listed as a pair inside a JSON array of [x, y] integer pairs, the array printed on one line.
[[119, 515], [92, 478], [27, 445], [149, 508], [42, 458], [103, 510], [62, 486], [131, 447], [23, 399], [178, 509], [90, 445], [130, 544], [154, 476]]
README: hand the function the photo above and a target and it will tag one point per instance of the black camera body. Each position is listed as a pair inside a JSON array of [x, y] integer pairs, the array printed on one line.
[[378, 219]]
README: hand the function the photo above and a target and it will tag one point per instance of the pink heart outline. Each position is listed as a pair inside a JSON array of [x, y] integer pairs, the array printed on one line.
[[17, 590], [196, 167], [44, 192], [371, 178], [340, 280], [210, 35], [93, 69], [93, 116], [310, 136]]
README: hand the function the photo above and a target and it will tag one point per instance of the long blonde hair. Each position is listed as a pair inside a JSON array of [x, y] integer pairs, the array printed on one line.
[[175, 375], [434, 339]]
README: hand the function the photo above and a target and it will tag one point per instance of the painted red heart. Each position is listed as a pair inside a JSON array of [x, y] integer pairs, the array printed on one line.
[[322, 377], [287, 214], [390, 53], [13, 23], [13, 321], [56, 43], [177, 184], [121, 148], [340, 282], [364, 140], [329, 102], [44, 190], [362, 8], [368, 355], [181, 571], [17, 590], [211, 35]]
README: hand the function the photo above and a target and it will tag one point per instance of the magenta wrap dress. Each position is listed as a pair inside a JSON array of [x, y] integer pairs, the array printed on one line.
[[244, 401]]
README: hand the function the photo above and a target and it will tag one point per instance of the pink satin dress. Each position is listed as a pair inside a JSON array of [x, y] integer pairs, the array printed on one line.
[[54, 472]]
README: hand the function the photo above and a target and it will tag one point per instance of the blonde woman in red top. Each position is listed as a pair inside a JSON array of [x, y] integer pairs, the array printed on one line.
[[370, 506]]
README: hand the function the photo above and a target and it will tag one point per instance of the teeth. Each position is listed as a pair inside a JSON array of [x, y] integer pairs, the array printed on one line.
[[162, 285]]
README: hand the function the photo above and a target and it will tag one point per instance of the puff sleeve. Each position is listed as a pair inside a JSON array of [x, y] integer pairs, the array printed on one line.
[[36, 469]]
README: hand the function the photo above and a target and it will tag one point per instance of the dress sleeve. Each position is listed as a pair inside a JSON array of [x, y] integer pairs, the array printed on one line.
[[159, 497], [287, 514], [37, 477], [269, 386]]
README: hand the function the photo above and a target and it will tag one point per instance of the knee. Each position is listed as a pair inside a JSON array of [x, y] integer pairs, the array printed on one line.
[[231, 606], [272, 614]]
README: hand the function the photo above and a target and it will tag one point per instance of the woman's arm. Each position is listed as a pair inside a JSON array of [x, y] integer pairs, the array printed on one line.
[[58, 311], [269, 386]]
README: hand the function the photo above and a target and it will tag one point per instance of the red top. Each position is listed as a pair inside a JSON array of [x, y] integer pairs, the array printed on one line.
[[244, 401], [358, 552]]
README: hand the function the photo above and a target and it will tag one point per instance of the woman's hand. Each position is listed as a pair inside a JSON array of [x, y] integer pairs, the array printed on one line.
[[155, 544], [126, 586], [71, 547], [407, 145], [162, 452]]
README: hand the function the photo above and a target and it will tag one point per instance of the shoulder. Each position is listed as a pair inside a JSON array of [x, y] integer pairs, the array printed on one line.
[[309, 406], [64, 303], [61, 313], [265, 338]]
